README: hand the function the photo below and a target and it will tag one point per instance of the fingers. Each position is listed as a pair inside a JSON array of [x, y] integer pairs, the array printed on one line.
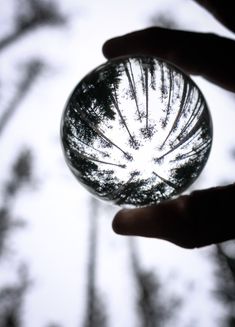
[[202, 54], [165, 221], [222, 10], [202, 218]]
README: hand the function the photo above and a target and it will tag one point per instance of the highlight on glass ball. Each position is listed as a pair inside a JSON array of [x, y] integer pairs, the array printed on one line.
[[136, 131]]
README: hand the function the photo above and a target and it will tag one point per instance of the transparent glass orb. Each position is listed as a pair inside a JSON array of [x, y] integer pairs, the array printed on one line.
[[136, 131]]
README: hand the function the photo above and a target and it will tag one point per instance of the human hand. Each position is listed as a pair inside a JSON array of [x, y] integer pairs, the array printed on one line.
[[204, 217]]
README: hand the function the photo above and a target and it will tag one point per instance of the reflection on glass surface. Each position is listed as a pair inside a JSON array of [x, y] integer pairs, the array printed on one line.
[[136, 131]]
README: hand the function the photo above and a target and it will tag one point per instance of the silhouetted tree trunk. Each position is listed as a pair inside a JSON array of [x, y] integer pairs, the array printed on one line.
[[193, 133], [31, 14], [171, 92], [132, 85], [195, 152], [98, 131], [187, 89], [151, 308], [144, 66], [21, 175], [166, 181], [195, 112], [226, 281], [28, 15], [12, 300], [95, 315], [116, 105], [32, 71]]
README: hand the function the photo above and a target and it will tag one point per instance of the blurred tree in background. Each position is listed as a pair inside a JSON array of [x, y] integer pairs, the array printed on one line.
[[225, 275], [153, 309], [21, 175], [164, 19], [32, 14], [95, 314], [29, 15], [11, 300], [32, 69], [12, 296]]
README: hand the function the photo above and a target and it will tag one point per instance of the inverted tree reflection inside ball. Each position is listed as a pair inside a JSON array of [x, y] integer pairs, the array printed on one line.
[[136, 131]]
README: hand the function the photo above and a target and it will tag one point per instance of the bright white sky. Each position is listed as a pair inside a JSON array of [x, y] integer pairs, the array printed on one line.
[[54, 242]]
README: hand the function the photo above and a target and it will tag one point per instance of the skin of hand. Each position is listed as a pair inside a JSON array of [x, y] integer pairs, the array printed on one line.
[[204, 217]]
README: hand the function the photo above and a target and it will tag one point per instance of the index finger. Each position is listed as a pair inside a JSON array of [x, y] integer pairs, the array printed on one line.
[[222, 10], [202, 54], [202, 218]]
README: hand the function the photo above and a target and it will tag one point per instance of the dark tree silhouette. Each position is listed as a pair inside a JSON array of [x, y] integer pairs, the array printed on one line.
[[31, 14], [166, 181], [198, 151], [83, 146], [32, 70], [113, 82], [90, 127], [185, 99], [132, 85], [95, 315], [170, 77], [184, 174], [152, 310], [196, 112], [147, 66], [21, 175], [225, 277], [5, 228], [148, 80], [201, 130], [12, 300]]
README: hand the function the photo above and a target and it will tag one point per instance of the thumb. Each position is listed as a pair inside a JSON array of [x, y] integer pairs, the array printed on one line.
[[199, 219]]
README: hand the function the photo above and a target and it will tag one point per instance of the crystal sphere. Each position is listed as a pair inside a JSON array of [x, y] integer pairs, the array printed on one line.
[[136, 131]]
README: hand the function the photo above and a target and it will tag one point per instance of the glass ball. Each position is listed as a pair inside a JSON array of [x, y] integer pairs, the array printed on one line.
[[136, 131]]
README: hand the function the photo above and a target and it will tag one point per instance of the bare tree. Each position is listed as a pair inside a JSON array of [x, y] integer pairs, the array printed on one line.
[[12, 299], [95, 315], [152, 309], [225, 277], [31, 14], [32, 70], [21, 174]]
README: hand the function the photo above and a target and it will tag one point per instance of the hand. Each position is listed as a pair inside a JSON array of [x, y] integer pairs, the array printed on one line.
[[203, 217]]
